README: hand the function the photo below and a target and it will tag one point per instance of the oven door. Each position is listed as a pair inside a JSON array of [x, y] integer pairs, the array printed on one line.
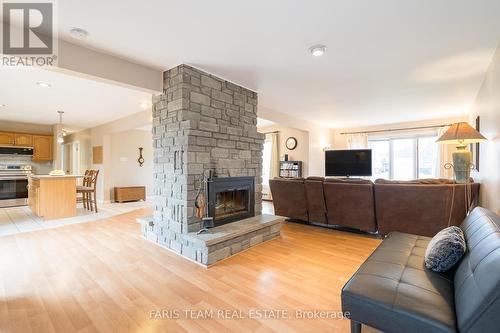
[[13, 191]]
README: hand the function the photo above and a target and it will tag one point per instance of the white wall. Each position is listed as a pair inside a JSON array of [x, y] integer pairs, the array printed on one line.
[[319, 137], [82, 137], [118, 138], [487, 107], [123, 160], [85, 62], [300, 153]]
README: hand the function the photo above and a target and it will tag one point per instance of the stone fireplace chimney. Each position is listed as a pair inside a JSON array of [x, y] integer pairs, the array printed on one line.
[[200, 123]]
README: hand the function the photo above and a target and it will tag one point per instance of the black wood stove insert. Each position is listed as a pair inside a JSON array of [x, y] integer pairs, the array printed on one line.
[[231, 199]]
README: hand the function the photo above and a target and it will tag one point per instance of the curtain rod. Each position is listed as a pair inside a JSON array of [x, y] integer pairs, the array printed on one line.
[[270, 132], [396, 129]]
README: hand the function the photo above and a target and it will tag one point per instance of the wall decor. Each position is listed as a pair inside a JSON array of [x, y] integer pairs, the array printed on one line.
[[97, 155], [291, 143], [140, 159]]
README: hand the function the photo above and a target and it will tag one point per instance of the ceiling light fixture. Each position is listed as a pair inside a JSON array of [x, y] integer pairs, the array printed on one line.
[[78, 33], [2, 105], [317, 50], [44, 84], [145, 105], [60, 135]]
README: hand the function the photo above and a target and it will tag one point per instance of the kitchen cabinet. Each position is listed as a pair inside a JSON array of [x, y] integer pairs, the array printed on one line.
[[42, 144], [42, 148], [23, 140], [7, 138]]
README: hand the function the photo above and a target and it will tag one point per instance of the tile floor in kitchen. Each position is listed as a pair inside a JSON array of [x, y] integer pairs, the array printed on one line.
[[20, 219]]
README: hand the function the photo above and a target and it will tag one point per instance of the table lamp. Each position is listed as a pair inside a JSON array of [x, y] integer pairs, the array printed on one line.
[[461, 134]]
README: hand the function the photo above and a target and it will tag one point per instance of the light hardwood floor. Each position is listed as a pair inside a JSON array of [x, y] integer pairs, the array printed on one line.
[[104, 277]]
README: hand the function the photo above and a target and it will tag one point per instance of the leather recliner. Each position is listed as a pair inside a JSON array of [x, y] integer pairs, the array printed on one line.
[[289, 198], [349, 203], [316, 207]]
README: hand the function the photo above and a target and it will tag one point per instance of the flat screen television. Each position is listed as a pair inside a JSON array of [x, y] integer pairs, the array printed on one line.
[[354, 162]]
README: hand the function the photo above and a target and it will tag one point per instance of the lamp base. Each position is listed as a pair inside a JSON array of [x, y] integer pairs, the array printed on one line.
[[461, 165]]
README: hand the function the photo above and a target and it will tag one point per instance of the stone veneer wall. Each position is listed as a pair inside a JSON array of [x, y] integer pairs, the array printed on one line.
[[200, 123]]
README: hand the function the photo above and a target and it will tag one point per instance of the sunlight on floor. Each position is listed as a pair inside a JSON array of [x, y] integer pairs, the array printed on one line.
[[267, 207]]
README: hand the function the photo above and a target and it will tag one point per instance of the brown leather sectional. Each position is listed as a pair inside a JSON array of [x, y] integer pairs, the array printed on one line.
[[421, 207]]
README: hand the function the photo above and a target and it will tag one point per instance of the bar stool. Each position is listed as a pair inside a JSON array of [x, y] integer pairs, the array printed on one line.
[[88, 190], [79, 188]]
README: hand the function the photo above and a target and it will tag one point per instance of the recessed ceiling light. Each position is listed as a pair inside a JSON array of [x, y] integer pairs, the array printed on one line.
[[317, 50], [145, 105], [44, 84], [78, 33]]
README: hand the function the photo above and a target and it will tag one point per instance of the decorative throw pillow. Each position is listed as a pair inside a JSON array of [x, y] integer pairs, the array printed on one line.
[[445, 249]]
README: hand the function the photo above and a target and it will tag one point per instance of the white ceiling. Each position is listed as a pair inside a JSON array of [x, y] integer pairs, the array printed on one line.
[[387, 61], [264, 122], [86, 103]]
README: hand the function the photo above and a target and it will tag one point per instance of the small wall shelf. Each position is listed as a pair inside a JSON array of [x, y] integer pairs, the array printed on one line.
[[290, 169]]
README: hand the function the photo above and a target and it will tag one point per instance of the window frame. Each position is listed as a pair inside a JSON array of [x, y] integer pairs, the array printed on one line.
[[415, 138]]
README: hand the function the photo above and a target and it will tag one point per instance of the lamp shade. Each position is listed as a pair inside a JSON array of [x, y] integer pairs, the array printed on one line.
[[462, 134]]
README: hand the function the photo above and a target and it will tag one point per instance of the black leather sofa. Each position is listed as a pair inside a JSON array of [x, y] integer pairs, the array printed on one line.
[[393, 291]]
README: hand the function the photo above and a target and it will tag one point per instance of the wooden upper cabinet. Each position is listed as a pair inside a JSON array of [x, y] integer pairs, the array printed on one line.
[[23, 140], [7, 138], [42, 148]]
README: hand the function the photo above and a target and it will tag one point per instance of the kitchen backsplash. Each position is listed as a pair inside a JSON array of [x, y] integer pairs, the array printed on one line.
[[39, 168]]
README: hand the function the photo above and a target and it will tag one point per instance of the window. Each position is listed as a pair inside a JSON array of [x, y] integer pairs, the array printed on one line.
[[266, 162], [380, 159], [427, 157], [404, 158]]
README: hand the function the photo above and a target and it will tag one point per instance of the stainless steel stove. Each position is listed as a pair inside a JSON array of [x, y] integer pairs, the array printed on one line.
[[14, 184]]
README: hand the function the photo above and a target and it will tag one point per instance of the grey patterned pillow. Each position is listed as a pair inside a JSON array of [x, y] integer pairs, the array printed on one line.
[[445, 249]]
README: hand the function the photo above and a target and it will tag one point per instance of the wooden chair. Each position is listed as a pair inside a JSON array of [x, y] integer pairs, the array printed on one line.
[[88, 190], [79, 188]]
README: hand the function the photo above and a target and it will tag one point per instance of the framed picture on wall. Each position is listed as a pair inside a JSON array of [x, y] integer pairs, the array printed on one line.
[[474, 147]]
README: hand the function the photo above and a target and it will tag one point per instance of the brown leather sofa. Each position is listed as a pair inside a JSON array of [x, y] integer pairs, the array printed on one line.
[[349, 203], [289, 198], [420, 207], [315, 196]]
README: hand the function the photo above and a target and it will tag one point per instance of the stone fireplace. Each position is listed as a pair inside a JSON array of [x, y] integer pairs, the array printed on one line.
[[202, 123]]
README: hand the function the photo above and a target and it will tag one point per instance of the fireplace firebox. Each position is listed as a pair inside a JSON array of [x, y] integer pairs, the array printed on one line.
[[231, 199]]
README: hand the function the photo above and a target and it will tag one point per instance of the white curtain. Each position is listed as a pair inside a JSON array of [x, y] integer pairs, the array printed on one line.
[[275, 160], [274, 165], [444, 156], [357, 141]]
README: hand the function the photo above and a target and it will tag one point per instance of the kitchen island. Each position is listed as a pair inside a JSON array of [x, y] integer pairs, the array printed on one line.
[[52, 197]]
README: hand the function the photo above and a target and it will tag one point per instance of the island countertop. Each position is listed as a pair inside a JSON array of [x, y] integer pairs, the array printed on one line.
[[52, 197], [55, 177]]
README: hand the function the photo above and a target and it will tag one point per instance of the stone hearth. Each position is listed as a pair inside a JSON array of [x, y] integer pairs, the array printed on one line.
[[201, 123]]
